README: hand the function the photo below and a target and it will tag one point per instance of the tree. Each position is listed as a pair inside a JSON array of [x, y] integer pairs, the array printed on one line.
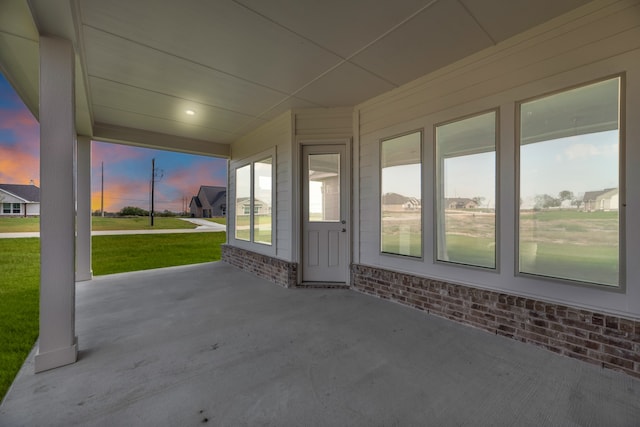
[[543, 201], [132, 211], [478, 200], [565, 195]]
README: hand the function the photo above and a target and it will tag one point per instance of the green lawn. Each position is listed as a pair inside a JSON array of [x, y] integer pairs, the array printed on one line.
[[20, 265], [221, 220], [19, 282], [18, 225]]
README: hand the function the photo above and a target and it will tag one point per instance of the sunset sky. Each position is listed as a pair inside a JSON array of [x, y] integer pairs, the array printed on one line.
[[127, 169]]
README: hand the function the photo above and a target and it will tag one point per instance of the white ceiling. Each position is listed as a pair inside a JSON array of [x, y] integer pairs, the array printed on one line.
[[239, 63]]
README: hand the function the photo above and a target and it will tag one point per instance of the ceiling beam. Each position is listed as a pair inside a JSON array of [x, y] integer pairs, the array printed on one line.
[[143, 138]]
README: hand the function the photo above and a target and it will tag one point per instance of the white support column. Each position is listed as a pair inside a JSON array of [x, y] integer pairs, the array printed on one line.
[[57, 345], [83, 225]]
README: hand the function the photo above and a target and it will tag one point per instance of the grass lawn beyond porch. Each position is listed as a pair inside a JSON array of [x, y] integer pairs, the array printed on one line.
[[20, 280]]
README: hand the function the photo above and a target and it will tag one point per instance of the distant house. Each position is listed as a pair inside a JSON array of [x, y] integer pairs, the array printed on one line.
[[210, 202], [460, 203], [243, 207], [398, 202], [601, 200], [19, 200]]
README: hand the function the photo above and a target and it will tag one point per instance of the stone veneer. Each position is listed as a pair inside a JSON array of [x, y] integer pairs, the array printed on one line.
[[278, 271], [610, 341]]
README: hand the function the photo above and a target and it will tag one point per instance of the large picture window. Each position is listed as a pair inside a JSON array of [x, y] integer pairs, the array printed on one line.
[[254, 201], [466, 191], [569, 189], [401, 198]]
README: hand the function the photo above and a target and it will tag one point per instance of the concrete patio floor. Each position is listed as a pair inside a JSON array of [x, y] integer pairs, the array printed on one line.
[[209, 344]]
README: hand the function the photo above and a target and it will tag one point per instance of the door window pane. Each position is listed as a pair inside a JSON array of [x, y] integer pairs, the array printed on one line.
[[262, 201], [569, 184], [324, 187], [401, 198], [243, 203], [466, 166]]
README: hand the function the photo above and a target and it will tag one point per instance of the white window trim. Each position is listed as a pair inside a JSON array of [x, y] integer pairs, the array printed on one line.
[[622, 252], [421, 258], [263, 248], [436, 189]]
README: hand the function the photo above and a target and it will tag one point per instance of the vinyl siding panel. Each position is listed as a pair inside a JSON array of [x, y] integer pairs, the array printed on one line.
[[596, 41], [324, 123]]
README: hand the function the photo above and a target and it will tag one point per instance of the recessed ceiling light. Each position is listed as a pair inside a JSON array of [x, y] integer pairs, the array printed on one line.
[[190, 112]]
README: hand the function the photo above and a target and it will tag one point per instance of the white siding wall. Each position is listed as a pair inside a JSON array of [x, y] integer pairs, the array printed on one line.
[[275, 134], [33, 208], [596, 41]]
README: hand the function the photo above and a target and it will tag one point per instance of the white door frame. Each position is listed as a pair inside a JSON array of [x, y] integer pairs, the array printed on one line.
[[297, 200]]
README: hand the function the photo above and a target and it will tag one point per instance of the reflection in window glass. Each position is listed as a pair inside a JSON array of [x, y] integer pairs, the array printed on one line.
[[569, 184], [243, 203], [324, 187], [466, 219], [401, 198], [262, 201]]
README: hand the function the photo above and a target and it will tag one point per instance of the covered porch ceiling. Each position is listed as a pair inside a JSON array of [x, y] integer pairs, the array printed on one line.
[[140, 65]]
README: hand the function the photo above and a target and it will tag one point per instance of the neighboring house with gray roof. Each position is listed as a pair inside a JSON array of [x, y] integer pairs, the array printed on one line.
[[601, 200], [210, 202], [19, 200]]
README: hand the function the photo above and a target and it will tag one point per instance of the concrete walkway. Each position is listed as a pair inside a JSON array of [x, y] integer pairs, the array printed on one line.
[[211, 345], [203, 224], [201, 228]]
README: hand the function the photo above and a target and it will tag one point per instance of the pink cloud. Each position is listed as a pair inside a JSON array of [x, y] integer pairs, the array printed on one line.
[[103, 151], [18, 167], [188, 180]]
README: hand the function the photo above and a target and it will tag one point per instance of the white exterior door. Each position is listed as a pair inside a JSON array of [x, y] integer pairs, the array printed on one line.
[[324, 212]]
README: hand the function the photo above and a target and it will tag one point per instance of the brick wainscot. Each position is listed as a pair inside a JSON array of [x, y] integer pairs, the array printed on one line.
[[609, 341], [275, 270]]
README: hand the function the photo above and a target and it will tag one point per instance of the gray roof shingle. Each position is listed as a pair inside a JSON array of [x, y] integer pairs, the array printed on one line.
[[30, 193]]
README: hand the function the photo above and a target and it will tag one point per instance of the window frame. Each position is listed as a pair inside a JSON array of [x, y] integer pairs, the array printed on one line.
[[420, 158], [622, 282], [263, 247], [437, 189]]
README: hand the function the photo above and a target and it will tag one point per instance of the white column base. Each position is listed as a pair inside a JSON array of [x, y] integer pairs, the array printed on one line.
[[56, 358], [84, 276]]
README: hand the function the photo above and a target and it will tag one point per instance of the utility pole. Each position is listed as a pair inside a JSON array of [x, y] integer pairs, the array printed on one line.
[[153, 184], [102, 192], [156, 175]]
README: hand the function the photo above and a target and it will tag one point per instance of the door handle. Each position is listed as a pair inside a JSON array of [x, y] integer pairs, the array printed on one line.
[[343, 222], [344, 230]]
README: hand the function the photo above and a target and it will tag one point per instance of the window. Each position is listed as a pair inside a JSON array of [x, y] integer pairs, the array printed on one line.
[[6, 208], [243, 203], [16, 208], [262, 201], [570, 186], [254, 197], [466, 191], [401, 198], [324, 187]]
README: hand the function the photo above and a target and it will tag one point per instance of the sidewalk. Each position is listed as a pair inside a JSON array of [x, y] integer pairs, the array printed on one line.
[[203, 226]]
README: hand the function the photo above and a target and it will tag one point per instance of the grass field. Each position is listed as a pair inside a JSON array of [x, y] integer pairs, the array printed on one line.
[[19, 282], [565, 244], [19, 225]]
